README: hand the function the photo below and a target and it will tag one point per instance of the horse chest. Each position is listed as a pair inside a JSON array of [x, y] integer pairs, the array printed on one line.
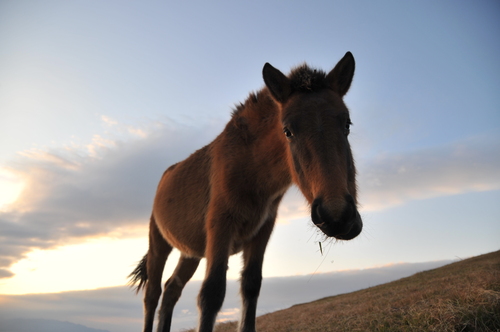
[[246, 230], [248, 226], [251, 227]]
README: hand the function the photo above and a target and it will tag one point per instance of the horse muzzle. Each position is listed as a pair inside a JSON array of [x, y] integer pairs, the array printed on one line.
[[345, 227]]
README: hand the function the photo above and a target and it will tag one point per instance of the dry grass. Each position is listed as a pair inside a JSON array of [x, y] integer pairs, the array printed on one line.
[[464, 296]]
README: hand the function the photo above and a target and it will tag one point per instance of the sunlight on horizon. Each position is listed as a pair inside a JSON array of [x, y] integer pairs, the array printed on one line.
[[97, 263], [75, 267]]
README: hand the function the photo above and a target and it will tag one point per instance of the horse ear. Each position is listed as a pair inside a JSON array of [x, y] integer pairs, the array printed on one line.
[[340, 78], [277, 83]]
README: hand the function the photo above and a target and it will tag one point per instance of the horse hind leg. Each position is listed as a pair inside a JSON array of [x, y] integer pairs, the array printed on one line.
[[185, 269], [156, 257]]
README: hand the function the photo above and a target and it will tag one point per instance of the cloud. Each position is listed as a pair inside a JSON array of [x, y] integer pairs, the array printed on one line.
[[77, 192], [28, 325], [106, 188], [102, 309], [460, 167], [293, 206], [119, 309], [391, 180]]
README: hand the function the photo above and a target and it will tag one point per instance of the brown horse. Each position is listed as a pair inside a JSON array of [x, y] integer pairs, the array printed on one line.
[[224, 198]]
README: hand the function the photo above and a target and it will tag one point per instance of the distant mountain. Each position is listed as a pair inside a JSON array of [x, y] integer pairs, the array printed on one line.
[[42, 325]]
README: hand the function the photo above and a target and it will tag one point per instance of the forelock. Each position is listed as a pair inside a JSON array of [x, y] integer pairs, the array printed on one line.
[[305, 79]]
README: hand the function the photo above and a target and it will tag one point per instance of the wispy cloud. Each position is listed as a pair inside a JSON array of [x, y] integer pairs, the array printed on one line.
[[460, 167]]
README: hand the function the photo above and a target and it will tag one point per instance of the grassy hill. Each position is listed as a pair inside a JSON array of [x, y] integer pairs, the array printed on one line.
[[463, 296]]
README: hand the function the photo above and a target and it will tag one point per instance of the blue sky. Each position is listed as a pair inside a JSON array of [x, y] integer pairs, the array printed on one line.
[[98, 98]]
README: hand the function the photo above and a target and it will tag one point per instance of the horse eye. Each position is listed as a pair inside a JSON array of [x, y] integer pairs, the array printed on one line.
[[348, 128], [287, 132]]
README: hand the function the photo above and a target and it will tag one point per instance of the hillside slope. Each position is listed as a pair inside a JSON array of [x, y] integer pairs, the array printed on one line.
[[463, 296]]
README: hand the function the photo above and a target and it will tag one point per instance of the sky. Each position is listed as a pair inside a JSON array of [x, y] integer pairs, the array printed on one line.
[[98, 98]]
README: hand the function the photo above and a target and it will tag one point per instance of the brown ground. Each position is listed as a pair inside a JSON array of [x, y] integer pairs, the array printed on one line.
[[463, 296]]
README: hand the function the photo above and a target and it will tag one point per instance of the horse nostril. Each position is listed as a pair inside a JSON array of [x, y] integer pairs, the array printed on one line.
[[349, 199], [315, 212]]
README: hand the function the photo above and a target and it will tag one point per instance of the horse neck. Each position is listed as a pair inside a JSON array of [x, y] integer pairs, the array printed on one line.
[[260, 115]]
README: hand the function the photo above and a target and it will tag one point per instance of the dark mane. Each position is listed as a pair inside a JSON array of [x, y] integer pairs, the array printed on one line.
[[252, 99], [306, 79]]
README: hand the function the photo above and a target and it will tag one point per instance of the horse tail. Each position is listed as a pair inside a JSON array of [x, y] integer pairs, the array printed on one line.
[[139, 275], [150, 268]]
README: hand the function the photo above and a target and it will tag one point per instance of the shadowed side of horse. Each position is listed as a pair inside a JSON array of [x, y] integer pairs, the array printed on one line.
[[223, 199]]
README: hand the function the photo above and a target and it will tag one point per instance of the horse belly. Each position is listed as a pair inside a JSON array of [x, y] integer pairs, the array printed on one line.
[[182, 231]]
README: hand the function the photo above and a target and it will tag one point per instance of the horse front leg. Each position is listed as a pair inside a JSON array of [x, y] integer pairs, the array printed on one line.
[[185, 269], [213, 289], [251, 276]]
